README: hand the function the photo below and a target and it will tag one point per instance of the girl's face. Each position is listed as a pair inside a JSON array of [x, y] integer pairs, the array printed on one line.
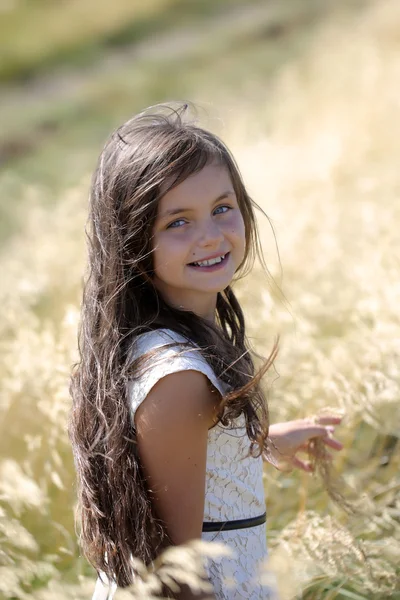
[[198, 220]]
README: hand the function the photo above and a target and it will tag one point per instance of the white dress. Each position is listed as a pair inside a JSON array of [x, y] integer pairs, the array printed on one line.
[[234, 480]]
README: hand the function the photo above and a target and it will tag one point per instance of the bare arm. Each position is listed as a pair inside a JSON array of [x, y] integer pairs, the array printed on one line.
[[172, 427]]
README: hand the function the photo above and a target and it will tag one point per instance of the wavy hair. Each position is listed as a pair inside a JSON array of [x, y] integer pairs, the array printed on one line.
[[142, 160]]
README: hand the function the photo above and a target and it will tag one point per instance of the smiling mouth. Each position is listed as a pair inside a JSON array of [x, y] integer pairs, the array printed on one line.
[[212, 262]]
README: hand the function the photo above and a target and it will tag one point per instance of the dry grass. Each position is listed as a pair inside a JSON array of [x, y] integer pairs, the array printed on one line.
[[331, 188], [322, 162]]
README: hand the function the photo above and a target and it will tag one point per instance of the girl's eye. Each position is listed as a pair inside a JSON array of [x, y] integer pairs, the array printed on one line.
[[176, 223], [221, 209], [217, 211]]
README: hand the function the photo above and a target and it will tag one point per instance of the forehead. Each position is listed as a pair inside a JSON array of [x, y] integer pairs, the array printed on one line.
[[205, 185]]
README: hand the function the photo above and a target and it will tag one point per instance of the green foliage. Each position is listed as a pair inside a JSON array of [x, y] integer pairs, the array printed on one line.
[[37, 36]]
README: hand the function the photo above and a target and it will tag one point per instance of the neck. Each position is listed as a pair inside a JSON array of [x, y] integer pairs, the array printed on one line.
[[203, 305]]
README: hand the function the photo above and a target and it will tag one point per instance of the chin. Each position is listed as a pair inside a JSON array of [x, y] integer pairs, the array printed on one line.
[[214, 289]]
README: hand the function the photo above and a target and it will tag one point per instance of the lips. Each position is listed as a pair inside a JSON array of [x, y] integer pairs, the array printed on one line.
[[210, 263], [209, 258]]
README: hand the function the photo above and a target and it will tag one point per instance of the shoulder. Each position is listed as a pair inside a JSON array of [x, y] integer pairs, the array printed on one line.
[[176, 362], [180, 400], [158, 338], [165, 350]]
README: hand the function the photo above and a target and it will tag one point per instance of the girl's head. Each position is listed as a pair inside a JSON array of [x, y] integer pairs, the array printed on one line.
[[198, 222], [153, 165], [140, 276]]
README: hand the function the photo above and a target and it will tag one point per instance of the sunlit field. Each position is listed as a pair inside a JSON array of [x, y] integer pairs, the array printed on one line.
[[318, 143]]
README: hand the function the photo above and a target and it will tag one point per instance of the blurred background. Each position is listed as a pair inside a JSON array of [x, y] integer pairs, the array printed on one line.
[[307, 95]]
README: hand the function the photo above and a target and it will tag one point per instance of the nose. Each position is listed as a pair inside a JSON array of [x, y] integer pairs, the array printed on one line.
[[210, 235]]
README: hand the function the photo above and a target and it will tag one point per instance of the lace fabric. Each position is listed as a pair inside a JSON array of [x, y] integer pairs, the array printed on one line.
[[234, 479]]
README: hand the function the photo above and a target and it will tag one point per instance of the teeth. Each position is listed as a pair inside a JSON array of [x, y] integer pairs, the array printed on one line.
[[208, 263]]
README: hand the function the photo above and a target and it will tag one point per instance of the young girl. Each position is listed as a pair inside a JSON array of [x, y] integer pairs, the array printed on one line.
[[169, 425]]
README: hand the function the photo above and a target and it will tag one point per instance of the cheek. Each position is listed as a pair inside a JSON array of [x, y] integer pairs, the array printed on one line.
[[168, 250], [236, 232]]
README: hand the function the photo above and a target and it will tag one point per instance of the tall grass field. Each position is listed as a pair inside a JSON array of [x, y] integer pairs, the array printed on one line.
[[307, 96]]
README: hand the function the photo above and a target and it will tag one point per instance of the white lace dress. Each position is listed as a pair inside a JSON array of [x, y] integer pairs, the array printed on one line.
[[234, 482]]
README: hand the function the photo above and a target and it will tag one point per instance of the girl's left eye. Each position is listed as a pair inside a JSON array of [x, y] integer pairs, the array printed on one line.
[[176, 223], [219, 208]]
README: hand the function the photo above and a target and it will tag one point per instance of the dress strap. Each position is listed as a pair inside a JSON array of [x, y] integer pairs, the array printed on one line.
[[238, 524]]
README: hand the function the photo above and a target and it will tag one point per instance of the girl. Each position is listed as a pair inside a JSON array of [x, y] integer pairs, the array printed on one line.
[[169, 425]]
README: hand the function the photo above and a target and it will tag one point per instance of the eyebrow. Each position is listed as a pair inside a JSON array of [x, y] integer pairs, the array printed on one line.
[[176, 211]]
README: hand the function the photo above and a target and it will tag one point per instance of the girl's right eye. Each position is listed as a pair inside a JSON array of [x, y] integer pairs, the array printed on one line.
[[176, 223]]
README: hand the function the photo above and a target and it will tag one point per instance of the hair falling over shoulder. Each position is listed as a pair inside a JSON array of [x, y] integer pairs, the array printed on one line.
[[141, 161]]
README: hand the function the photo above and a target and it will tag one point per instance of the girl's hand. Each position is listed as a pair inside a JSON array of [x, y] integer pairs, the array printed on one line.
[[286, 439]]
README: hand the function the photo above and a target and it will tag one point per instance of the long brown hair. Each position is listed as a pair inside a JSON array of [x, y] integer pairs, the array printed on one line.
[[154, 151]]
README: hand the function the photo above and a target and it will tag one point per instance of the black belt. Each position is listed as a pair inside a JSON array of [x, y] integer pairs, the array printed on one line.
[[238, 524]]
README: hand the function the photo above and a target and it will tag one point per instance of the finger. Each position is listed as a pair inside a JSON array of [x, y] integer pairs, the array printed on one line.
[[311, 431], [329, 420], [332, 443], [284, 466], [301, 464], [324, 434]]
